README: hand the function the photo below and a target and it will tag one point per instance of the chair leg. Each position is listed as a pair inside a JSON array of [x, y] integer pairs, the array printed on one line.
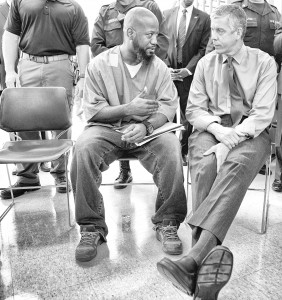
[[68, 193], [265, 210], [13, 199], [187, 195]]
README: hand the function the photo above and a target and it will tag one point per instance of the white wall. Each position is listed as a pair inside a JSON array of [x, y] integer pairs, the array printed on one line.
[[277, 3]]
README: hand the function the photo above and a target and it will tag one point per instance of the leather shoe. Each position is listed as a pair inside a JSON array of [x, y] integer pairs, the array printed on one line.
[[184, 160], [61, 184], [123, 178], [214, 272], [176, 272], [262, 171], [277, 185], [6, 194], [44, 167]]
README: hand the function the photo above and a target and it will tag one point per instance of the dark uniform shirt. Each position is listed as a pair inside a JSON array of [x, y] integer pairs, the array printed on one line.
[[261, 25], [278, 42], [4, 10], [48, 27], [108, 28]]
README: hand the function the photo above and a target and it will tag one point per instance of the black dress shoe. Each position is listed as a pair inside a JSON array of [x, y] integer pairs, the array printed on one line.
[[6, 194], [214, 272], [176, 273], [277, 185], [262, 171], [59, 181], [44, 167], [184, 160]]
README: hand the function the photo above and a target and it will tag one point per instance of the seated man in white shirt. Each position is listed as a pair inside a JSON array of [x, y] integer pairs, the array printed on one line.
[[231, 104]]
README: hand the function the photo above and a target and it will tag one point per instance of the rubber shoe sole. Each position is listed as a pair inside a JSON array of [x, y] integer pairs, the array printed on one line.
[[214, 273]]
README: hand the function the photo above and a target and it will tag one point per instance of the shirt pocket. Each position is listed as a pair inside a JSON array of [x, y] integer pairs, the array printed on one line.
[[252, 22], [272, 24], [113, 34], [112, 26]]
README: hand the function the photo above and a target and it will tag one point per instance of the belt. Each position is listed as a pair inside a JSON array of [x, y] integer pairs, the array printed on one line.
[[44, 59]]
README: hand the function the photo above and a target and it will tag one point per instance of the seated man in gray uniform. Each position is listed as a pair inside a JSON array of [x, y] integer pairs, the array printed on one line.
[[128, 93]]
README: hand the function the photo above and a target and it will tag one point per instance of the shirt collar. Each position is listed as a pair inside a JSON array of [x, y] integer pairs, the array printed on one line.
[[188, 9], [268, 8], [238, 56]]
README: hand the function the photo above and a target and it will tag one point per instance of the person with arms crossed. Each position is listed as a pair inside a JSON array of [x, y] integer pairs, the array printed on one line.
[[128, 93], [231, 104], [189, 32], [108, 32], [48, 35]]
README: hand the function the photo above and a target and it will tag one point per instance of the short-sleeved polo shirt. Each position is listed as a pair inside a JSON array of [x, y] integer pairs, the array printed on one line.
[[48, 27]]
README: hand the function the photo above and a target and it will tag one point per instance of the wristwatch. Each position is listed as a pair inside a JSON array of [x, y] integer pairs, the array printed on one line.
[[149, 127]]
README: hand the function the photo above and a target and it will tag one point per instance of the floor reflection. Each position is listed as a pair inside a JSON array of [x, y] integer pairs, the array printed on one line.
[[37, 247]]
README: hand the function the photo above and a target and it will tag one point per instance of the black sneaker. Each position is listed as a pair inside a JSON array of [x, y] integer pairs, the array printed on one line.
[[60, 181], [262, 171], [123, 178], [277, 185], [6, 194], [87, 247], [167, 234]]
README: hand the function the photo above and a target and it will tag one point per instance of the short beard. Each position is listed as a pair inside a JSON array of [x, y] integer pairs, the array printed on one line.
[[141, 53]]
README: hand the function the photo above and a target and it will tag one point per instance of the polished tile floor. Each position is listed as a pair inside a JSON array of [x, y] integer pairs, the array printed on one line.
[[37, 247]]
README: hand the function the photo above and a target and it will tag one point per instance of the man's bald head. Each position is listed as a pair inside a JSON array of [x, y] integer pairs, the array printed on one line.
[[138, 17], [140, 33]]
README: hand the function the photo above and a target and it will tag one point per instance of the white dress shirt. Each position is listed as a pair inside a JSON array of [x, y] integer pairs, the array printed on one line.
[[188, 15]]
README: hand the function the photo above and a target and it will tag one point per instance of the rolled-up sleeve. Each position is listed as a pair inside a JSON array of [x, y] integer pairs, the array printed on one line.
[[94, 92], [167, 96], [264, 102]]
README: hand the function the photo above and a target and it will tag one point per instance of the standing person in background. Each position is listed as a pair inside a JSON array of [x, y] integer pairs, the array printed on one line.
[[108, 32], [262, 21], [4, 10], [277, 183], [189, 31], [48, 35]]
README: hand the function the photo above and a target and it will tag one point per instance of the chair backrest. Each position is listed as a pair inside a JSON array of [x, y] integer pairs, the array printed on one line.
[[34, 109]]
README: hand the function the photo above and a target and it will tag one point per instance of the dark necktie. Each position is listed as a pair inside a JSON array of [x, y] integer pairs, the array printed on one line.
[[236, 110], [181, 35]]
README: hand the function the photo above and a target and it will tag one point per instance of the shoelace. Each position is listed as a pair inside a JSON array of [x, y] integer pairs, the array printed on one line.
[[170, 232], [87, 238]]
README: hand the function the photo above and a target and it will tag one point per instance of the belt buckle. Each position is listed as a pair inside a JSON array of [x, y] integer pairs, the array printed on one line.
[[32, 58]]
